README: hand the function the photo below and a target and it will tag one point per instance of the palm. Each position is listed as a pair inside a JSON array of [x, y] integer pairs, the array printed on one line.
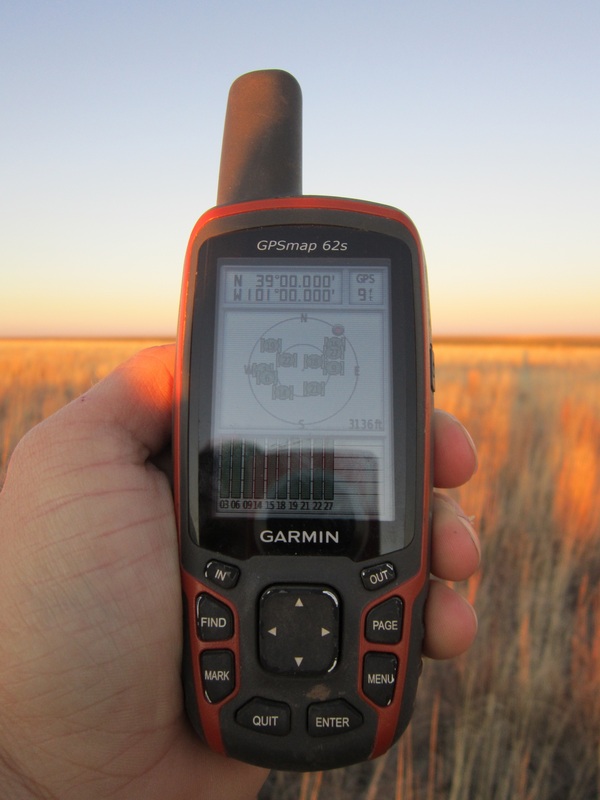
[[105, 652], [126, 608]]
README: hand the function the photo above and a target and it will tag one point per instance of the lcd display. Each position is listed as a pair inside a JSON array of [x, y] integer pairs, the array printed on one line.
[[302, 406]]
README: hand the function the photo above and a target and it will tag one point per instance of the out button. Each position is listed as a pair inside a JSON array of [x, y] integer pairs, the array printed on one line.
[[380, 575]]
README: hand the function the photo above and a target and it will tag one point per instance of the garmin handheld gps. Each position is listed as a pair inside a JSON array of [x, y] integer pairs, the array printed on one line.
[[302, 455]]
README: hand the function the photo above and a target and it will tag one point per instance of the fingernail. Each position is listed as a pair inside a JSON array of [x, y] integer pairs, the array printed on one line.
[[472, 446], [475, 617], [467, 523]]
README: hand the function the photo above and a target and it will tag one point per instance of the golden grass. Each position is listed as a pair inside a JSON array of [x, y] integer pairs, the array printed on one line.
[[519, 715]]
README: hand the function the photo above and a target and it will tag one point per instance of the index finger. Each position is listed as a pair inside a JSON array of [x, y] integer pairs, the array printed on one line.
[[134, 402]]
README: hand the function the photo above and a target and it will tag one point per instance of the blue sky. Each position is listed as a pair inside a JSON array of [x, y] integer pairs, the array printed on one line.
[[481, 120]]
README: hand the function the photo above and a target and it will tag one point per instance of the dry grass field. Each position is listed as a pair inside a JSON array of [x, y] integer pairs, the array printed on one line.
[[518, 717]]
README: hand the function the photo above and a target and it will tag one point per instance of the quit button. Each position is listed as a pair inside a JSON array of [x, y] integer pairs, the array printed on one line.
[[265, 716]]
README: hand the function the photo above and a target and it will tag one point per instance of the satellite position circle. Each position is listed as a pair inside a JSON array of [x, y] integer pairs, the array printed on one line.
[[303, 370]]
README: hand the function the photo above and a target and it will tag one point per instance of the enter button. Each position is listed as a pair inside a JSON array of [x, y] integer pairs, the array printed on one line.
[[330, 719]]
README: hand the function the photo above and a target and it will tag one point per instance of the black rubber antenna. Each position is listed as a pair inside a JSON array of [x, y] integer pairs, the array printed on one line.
[[261, 155]]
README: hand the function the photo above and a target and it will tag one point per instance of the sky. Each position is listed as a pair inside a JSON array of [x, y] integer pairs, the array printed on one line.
[[479, 119]]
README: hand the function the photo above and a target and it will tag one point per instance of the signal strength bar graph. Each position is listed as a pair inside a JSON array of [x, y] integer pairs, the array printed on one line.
[[283, 470]]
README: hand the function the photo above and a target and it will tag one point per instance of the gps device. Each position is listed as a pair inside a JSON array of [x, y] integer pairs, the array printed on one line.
[[302, 448]]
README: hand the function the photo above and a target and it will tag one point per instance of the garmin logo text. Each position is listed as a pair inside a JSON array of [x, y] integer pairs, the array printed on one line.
[[300, 537]]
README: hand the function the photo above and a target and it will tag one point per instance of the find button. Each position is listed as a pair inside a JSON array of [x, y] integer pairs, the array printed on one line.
[[374, 578], [214, 620], [265, 716]]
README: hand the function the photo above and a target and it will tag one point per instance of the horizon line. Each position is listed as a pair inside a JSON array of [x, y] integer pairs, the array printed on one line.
[[548, 339]]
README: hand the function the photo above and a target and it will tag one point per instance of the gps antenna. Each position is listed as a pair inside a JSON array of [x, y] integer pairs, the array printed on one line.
[[261, 155]]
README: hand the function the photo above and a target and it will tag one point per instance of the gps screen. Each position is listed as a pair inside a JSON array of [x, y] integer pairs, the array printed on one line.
[[302, 405]]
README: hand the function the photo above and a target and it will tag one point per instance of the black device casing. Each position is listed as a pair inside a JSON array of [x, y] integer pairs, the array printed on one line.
[[401, 573]]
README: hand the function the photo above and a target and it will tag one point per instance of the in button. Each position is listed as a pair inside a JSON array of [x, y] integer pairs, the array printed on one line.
[[225, 575]]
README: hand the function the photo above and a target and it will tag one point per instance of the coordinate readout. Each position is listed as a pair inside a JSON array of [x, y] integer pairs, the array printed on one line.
[[314, 286]]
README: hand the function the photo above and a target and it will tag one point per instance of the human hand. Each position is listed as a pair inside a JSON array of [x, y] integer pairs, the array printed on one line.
[[90, 694]]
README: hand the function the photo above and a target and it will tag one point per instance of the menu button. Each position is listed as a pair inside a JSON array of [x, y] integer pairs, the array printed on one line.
[[379, 677]]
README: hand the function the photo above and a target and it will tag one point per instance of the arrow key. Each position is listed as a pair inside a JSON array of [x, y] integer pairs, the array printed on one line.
[[299, 630]]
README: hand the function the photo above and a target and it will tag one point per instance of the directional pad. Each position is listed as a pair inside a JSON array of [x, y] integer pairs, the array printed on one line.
[[299, 630]]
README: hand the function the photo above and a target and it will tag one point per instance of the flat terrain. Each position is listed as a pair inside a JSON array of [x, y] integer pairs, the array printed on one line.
[[519, 715]]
